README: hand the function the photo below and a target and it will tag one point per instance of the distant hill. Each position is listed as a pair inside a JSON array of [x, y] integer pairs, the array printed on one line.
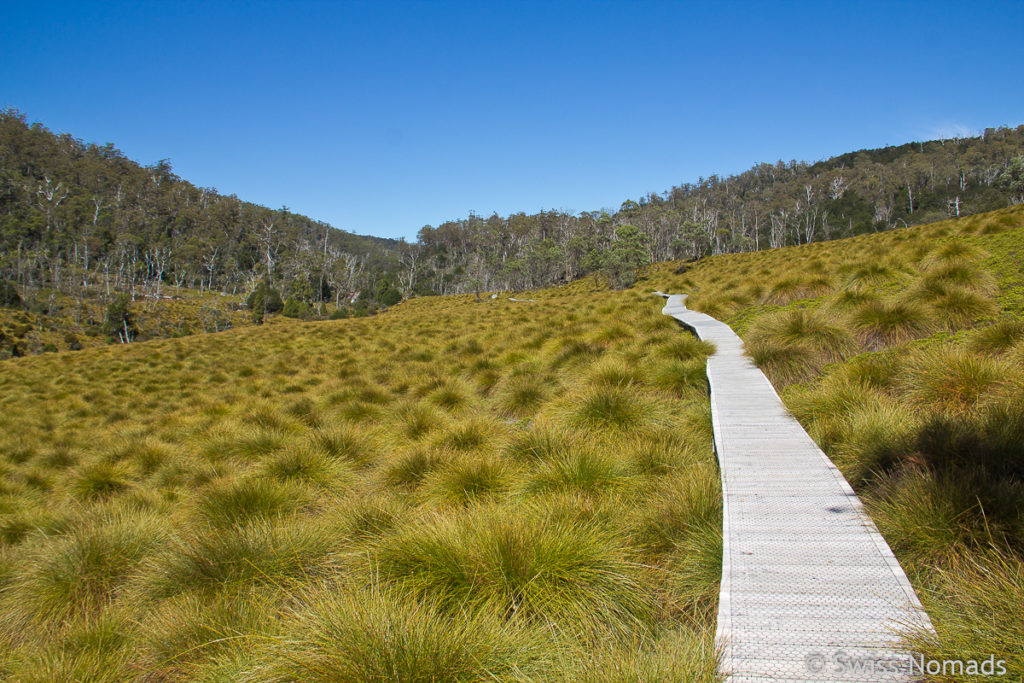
[[78, 218], [769, 205]]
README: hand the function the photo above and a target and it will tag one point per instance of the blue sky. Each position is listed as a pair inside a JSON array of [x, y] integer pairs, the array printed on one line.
[[383, 117]]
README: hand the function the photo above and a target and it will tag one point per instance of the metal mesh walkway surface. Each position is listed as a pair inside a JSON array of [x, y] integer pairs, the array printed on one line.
[[810, 590]]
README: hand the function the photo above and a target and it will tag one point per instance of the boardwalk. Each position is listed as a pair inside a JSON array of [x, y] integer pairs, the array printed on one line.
[[810, 590]]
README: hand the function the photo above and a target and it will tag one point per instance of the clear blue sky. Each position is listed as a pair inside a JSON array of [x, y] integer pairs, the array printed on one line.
[[383, 117]]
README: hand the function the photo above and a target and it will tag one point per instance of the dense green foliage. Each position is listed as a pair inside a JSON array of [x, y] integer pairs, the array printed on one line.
[[262, 300], [9, 297], [120, 322]]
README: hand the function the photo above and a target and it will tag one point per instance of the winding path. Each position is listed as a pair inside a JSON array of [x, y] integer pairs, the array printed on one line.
[[810, 590]]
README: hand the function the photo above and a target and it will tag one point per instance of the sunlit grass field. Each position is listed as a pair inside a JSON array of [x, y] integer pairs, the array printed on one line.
[[502, 490], [449, 491], [902, 354]]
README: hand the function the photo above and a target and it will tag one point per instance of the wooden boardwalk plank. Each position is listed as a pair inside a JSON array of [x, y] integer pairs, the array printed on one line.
[[810, 590]]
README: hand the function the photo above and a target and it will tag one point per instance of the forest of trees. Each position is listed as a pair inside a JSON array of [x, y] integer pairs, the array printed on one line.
[[770, 205], [81, 219]]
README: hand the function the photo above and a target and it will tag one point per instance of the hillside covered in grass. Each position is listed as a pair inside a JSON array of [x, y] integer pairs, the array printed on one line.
[[505, 490], [451, 490], [902, 354]]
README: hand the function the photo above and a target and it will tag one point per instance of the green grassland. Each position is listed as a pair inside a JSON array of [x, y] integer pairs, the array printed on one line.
[[902, 354], [448, 491], [455, 490]]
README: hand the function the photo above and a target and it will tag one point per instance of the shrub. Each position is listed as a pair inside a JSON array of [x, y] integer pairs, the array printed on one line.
[[294, 308], [388, 295], [120, 321], [9, 297], [264, 299], [340, 313]]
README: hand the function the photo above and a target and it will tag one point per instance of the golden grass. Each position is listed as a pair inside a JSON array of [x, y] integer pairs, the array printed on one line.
[[511, 491], [447, 490]]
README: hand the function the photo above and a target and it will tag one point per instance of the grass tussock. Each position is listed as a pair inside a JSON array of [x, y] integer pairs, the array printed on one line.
[[544, 569], [79, 573], [262, 552], [380, 635], [955, 381], [794, 345], [609, 407], [879, 324]]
